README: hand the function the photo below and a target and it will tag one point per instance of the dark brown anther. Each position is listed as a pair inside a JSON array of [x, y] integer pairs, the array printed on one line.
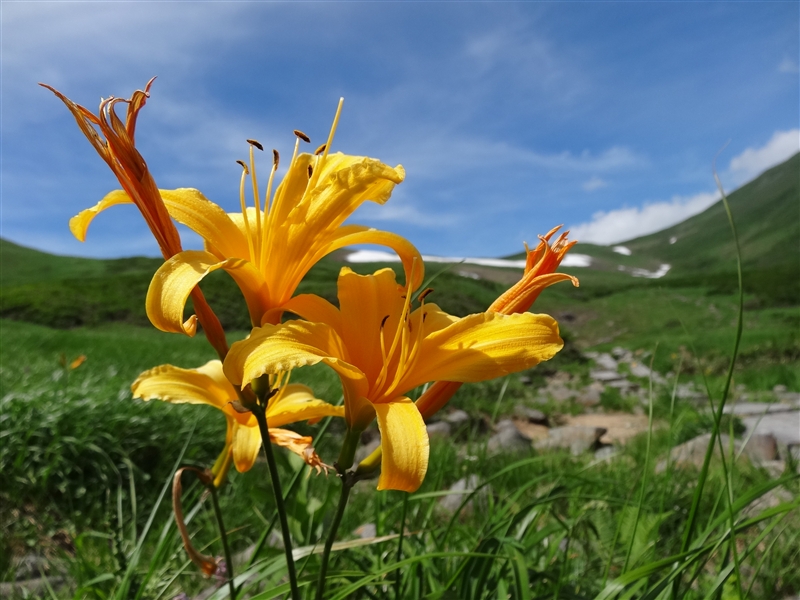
[[244, 166], [383, 321], [256, 144], [320, 150], [424, 294], [276, 158], [423, 316], [302, 136], [310, 171]]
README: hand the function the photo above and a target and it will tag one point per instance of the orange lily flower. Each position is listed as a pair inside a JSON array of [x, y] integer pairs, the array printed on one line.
[[267, 249], [381, 350]]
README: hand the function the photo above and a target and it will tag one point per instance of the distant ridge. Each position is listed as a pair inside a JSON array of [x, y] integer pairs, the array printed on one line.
[[767, 216]]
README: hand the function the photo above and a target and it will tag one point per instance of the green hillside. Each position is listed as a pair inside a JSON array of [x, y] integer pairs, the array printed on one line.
[[767, 216]]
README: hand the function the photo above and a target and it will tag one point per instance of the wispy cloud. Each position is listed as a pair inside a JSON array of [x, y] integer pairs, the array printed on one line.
[[788, 66], [609, 227], [754, 161], [595, 183]]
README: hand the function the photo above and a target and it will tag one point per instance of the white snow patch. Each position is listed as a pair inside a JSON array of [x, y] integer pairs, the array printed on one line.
[[622, 250], [577, 260], [637, 272], [673, 239], [369, 256], [468, 274]]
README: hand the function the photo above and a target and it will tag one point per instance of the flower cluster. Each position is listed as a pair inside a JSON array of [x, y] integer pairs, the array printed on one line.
[[383, 339]]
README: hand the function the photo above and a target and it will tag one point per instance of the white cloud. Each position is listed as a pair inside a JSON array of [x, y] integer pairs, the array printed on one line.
[[754, 161], [788, 66], [628, 223], [595, 183]]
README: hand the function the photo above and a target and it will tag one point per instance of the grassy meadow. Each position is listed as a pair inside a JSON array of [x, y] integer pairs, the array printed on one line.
[[85, 471]]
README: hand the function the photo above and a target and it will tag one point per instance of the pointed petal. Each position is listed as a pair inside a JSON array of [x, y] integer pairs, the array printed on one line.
[[351, 235], [345, 183], [365, 301], [300, 445], [223, 463], [177, 277], [281, 348], [246, 444], [309, 307], [187, 206], [191, 208], [485, 346], [405, 446], [297, 403], [79, 224], [206, 385]]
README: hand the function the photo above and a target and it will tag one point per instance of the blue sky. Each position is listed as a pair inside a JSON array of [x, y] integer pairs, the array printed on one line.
[[508, 117]]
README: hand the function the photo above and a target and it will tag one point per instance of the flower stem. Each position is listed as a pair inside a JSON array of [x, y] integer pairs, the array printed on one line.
[[261, 416], [224, 536], [347, 485]]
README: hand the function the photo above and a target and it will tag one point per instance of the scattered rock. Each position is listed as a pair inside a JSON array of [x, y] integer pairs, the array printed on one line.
[[531, 431], [771, 499], [692, 453], [606, 362], [459, 490], [561, 393], [762, 447], [779, 389], [605, 453], [577, 439], [439, 429], [525, 380], [457, 418], [507, 439], [758, 408], [366, 531], [619, 352], [783, 426], [618, 428], [605, 375], [530, 415], [590, 395]]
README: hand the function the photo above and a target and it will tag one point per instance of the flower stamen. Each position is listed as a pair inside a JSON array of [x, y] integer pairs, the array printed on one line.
[[267, 198], [245, 173], [256, 200]]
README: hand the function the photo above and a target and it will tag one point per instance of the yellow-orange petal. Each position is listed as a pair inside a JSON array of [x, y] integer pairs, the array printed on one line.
[[299, 444], [405, 446], [351, 235], [246, 444], [79, 224], [281, 348], [369, 303], [177, 277], [191, 208], [295, 403], [484, 346], [309, 307], [204, 385]]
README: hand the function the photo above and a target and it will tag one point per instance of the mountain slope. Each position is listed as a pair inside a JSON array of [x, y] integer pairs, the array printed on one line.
[[767, 216]]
